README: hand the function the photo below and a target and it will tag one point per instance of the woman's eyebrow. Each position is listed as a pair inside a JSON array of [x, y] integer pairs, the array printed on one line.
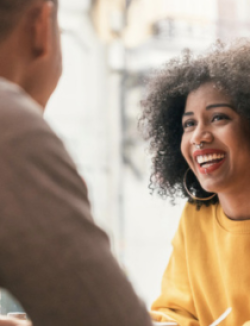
[[212, 106], [187, 113]]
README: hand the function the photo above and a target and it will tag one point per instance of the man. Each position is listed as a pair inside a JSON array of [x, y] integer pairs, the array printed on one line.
[[53, 258]]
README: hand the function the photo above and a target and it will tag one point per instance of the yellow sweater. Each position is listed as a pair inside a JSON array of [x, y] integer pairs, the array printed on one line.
[[209, 270]]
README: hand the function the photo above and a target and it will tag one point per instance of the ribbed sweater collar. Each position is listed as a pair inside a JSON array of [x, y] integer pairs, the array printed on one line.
[[232, 226]]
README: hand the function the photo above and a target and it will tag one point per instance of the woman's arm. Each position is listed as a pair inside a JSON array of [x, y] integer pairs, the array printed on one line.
[[176, 299]]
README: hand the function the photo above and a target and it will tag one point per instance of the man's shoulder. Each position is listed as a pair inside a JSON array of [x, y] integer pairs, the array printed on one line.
[[24, 130], [19, 115]]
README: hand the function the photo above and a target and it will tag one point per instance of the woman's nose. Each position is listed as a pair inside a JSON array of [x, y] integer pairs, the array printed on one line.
[[201, 135]]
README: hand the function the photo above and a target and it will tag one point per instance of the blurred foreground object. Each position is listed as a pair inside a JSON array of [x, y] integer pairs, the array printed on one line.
[[18, 315], [10, 321]]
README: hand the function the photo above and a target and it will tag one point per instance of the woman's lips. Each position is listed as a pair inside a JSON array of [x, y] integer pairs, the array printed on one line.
[[209, 167]]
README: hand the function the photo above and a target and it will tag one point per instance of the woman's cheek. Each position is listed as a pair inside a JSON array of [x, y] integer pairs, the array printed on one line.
[[184, 149]]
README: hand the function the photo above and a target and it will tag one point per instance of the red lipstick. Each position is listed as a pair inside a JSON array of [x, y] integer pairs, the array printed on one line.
[[214, 166]]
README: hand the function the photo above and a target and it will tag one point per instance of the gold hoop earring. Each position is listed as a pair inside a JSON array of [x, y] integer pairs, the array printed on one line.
[[190, 194]]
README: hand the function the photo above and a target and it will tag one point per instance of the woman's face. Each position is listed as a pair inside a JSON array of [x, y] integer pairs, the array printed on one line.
[[222, 165]]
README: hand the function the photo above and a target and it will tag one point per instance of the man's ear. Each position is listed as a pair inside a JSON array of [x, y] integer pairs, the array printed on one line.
[[42, 28]]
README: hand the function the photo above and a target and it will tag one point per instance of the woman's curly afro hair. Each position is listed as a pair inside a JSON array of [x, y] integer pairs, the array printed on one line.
[[228, 67]]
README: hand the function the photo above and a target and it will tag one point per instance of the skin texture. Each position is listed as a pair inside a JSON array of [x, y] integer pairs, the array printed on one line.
[[219, 128]]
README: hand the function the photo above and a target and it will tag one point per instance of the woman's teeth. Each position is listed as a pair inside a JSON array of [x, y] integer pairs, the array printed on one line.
[[208, 160], [207, 165]]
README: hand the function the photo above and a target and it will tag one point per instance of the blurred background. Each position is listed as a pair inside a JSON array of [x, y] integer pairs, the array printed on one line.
[[110, 47]]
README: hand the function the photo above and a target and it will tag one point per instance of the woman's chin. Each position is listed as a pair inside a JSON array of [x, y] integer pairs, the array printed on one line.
[[210, 187]]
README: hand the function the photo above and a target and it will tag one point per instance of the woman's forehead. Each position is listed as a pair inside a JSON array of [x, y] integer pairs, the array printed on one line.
[[206, 96]]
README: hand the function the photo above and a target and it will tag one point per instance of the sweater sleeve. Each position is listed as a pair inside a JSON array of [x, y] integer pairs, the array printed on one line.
[[54, 259], [176, 300]]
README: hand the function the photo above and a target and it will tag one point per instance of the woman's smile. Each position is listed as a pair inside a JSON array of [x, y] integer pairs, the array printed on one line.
[[209, 160]]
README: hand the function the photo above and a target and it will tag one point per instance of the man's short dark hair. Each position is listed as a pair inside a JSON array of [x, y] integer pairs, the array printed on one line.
[[10, 12]]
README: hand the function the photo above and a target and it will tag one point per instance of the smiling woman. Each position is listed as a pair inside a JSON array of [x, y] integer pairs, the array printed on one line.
[[210, 119], [197, 116], [226, 69]]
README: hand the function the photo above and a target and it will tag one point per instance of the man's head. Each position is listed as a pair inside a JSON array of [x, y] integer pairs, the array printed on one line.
[[30, 50]]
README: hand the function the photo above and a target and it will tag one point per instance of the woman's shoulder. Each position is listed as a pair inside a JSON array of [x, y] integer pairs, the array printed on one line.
[[193, 217]]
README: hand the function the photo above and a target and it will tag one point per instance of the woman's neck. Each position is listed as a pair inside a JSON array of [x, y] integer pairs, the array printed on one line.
[[236, 205]]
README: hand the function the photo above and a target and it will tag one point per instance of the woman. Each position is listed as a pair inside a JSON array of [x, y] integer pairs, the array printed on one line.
[[197, 117]]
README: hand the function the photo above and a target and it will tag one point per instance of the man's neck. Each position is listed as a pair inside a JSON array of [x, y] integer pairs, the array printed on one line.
[[10, 67], [11, 71]]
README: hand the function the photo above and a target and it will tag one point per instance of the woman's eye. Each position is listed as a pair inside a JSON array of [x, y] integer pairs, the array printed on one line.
[[219, 117], [188, 124]]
